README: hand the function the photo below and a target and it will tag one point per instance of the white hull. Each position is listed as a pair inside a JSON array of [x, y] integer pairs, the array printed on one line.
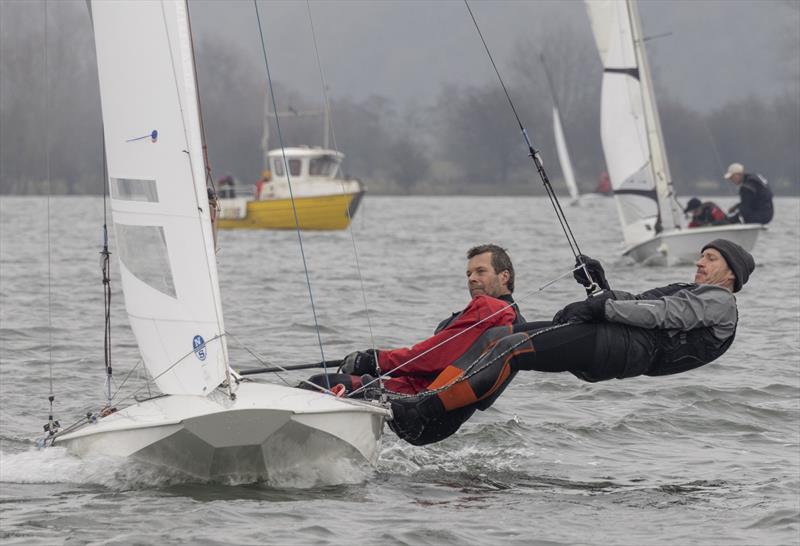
[[268, 430], [683, 246]]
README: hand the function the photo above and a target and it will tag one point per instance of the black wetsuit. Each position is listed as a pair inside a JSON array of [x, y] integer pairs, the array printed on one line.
[[756, 200]]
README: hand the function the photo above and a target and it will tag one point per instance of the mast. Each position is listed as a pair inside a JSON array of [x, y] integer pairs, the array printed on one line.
[[669, 214], [269, 114]]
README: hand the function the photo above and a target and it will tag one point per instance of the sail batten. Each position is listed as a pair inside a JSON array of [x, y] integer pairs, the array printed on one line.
[[158, 195]]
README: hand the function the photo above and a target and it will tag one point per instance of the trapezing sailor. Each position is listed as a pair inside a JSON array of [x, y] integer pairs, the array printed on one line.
[[610, 335]]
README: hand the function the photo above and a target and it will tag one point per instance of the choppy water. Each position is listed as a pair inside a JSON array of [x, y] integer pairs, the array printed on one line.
[[707, 457]]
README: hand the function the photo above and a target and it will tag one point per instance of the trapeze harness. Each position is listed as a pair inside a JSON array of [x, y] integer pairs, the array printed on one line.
[[590, 351]]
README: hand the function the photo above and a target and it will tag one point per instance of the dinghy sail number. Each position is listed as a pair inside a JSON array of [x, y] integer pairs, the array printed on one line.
[[199, 345]]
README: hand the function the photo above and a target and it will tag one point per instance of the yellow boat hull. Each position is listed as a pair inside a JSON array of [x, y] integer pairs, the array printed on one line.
[[327, 212]]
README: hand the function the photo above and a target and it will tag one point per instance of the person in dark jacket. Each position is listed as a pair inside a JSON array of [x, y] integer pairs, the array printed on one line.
[[611, 335], [490, 280], [704, 213], [755, 205]]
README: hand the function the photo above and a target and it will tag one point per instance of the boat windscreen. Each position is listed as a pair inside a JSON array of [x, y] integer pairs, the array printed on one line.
[[323, 166]]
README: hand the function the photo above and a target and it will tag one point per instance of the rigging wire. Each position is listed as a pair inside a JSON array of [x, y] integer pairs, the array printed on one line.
[[537, 160], [291, 192], [330, 128], [52, 424], [106, 268]]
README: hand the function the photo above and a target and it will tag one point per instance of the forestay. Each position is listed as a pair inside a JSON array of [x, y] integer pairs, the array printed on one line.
[[158, 191]]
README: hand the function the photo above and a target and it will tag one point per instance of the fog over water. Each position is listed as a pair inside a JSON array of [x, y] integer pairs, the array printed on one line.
[[415, 103]]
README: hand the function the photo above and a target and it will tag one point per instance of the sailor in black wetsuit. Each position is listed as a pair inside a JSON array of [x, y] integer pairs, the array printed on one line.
[[615, 334], [755, 206]]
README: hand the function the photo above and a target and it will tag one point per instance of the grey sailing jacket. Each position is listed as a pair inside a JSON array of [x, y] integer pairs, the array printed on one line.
[[667, 330]]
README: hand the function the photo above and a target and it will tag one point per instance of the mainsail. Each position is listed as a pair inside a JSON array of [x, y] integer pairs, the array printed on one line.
[[630, 128], [158, 192], [561, 141], [563, 155]]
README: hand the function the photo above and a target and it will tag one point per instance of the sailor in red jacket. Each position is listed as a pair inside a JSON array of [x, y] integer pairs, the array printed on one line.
[[410, 370]]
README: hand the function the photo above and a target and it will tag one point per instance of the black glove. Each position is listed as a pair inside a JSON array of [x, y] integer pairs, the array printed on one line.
[[360, 363], [595, 270], [592, 309]]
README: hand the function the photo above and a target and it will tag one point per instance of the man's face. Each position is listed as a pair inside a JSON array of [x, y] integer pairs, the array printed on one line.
[[713, 269], [737, 178], [482, 279]]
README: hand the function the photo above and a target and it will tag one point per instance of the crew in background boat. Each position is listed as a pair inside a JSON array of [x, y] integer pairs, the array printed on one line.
[[226, 187], [490, 280], [705, 213], [614, 334], [266, 177], [755, 206]]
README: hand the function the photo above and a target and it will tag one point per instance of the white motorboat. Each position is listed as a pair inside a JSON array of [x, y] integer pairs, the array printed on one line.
[[653, 224]]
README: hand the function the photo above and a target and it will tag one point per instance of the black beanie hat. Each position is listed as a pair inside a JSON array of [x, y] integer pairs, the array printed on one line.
[[693, 203], [738, 259]]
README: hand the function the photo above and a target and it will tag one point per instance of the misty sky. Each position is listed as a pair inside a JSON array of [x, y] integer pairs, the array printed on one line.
[[405, 51]]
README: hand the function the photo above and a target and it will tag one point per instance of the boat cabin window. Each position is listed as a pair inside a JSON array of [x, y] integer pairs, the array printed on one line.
[[323, 166], [295, 167]]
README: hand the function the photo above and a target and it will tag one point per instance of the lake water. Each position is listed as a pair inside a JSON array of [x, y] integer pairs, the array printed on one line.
[[707, 457]]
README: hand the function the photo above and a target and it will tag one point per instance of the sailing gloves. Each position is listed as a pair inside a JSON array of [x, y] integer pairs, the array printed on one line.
[[592, 309], [360, 363], [596, 272]]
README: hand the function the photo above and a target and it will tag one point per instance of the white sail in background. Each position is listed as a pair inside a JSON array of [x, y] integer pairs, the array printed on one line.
[[630, 126], [563, 155], [561, 141], [158, 192], [622, 120], [670, 213]]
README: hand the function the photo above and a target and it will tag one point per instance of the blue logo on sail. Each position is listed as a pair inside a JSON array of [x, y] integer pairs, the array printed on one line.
[[199, 345], [153, 136]]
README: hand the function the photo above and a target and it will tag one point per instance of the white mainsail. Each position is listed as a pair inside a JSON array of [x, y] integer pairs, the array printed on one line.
[[158, 191], [563, 155], [561, 142], [631, 132]]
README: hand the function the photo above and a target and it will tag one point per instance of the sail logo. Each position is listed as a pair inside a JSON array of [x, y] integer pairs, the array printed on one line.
[[199, 345], [153, 136]]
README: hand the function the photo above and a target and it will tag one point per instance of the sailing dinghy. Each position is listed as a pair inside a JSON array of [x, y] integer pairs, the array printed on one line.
[[208, 423], [561, 142], [653, 224]]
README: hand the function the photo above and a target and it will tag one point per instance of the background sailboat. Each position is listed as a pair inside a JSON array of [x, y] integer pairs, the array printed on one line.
[[209, 423], [561, 141], [652, 221]]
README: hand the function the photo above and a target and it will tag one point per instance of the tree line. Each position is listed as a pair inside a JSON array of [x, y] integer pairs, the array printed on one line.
[[467, 142]]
